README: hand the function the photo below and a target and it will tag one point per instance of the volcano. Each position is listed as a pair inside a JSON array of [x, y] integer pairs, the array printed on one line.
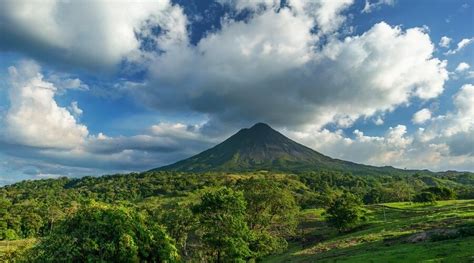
[[263, 148]]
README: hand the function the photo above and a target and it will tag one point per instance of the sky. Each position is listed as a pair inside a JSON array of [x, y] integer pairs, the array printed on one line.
[[104, 87]]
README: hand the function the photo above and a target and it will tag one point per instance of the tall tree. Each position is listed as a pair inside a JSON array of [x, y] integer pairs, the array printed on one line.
[[222, 224]]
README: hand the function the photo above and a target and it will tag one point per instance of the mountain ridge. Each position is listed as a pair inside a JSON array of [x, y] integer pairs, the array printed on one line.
[[260, 147]]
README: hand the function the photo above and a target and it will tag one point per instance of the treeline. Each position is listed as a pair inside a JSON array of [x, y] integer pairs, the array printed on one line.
[[206, 217]]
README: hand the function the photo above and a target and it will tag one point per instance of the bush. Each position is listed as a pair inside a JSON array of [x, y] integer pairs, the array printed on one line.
[[424, 197], [345, 212], [441, 193]]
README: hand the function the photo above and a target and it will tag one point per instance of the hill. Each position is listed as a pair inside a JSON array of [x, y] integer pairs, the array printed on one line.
[[395, 232], [263, 148]]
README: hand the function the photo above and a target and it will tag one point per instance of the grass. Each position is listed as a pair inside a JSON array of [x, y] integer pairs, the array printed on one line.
[[387, 235]]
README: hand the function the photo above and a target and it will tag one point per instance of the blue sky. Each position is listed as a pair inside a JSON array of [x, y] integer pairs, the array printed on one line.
[[118, 87]]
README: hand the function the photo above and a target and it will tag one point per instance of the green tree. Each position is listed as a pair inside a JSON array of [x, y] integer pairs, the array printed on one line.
[[271, 215], [425, 197], [221, 215], [100, 233], [374, 196], [5, 205], [441, 193], [179, 222], [345, 212]]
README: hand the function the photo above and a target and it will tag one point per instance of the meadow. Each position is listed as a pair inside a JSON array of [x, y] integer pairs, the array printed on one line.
[[394, 232]]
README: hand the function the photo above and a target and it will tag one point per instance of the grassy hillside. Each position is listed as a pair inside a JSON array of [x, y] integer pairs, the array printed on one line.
[[395, 232]]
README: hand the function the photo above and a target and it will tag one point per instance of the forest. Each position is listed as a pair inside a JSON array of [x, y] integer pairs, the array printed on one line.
[[210, 217]]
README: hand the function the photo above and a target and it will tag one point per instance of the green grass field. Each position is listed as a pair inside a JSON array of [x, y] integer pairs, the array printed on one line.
[[393, 232]]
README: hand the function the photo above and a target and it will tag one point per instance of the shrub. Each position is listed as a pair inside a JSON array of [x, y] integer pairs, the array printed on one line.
[[425, 197], [345, 212]]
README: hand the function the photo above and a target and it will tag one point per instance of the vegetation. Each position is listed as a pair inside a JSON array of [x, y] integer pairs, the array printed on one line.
[[394, 232], [345, 212], [173, 216], [100, 233]]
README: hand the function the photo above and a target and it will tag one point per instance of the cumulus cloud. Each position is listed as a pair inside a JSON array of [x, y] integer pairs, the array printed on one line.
[[460, 46], [378, 121], [421, 116], [37, 130], [75, 110], [445, 42], [445, 143], [371, 6], [34, 118], [268, 69], [463, 66], [94, 34], [253, 5], [286, 64]]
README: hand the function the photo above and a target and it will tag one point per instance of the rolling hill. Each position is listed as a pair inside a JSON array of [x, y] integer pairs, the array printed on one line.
[[263, 148]]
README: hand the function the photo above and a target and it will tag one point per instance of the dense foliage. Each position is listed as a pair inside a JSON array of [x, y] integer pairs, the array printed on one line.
[[210, 216], [100, 233], [345, 212]]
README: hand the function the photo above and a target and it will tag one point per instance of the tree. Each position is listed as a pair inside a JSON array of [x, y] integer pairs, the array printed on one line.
[[100, 233], [224, 231], [345, 212], [271, 215], [179, 221], [4, 214], [425, 197], [374, 196], [441, 193]]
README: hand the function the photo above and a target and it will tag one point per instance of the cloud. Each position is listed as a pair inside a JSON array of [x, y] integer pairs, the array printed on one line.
[[253, 5], [445, 143], [461, 45], [96, 34], [397, 147], [270, 69], [445, 42], [463, 66], [369, 7], [34, 118], [378, 121], [75, 110], [64, 82], [37, 131], [421, 116]]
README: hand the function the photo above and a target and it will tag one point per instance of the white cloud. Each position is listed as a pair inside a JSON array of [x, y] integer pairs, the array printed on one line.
[[63, 82], [371, 6], [445, 42], [327, 13], [92, 34], [34, 118], [253, 5], [75, 110], [461, 45], [446, 143], [463, 66], [378, 121], [267, 69], [421, 116]]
